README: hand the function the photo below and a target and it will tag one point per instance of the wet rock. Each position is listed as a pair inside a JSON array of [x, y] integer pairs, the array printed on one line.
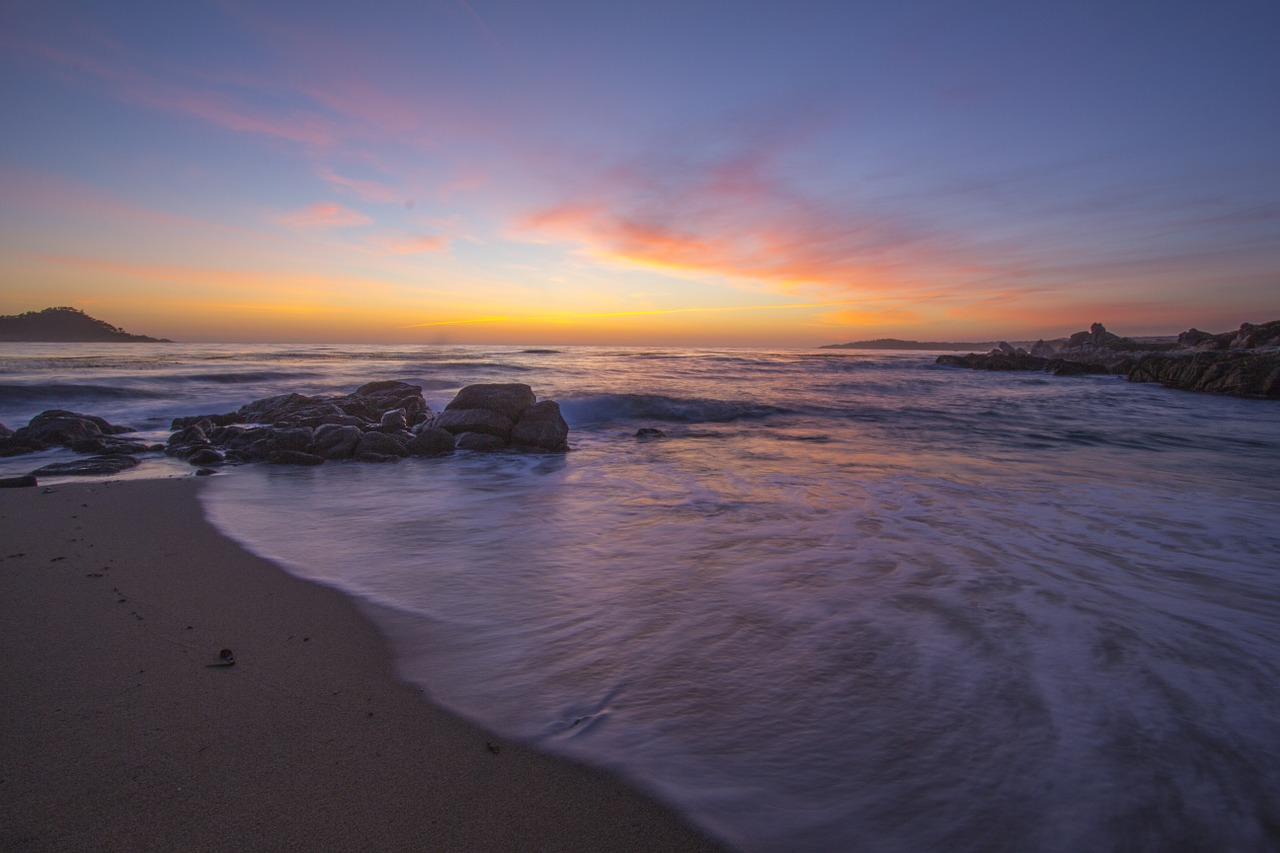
[[541, 426], [650, 432], [379, 421], [487, 421], [18, 482], [380, 444], [93, 466], [431, 441], [333, 441], [509, 399], [206, 456], [394, 420], [1241, 374], [58, 426], [479, 441]]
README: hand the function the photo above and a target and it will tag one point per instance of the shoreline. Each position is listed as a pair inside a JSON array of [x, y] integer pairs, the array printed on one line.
[[119, 735]]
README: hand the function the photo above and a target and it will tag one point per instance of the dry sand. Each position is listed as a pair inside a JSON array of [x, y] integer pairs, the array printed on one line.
[[116, 735]]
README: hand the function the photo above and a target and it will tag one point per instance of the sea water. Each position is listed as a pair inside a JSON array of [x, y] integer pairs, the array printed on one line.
[[850, 600]]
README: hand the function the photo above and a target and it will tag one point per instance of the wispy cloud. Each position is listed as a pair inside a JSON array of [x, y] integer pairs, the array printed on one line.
[[415, 244], [324, 214]]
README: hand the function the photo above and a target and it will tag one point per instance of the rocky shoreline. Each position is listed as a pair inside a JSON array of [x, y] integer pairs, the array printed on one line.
[[378, 422], [1244, 363]]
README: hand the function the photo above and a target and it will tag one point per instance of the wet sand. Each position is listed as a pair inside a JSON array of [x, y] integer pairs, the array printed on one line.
[[115, 598]]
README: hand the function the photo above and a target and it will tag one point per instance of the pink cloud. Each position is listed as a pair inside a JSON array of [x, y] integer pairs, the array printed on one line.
[[735, 218], [128, 81], [325, 214], [366, 189], [415, 244]]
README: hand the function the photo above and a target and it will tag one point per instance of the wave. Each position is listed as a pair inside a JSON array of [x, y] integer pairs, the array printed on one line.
[[62, 393], [238, 378], [606, 408]]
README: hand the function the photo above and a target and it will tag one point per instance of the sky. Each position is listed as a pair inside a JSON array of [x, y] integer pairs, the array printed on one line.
[[695, 173]]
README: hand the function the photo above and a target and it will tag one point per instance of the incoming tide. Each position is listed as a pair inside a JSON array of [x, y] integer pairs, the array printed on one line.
[[851, 600]]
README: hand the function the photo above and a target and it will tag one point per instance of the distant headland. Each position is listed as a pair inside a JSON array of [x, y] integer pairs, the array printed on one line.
[[65, 325]]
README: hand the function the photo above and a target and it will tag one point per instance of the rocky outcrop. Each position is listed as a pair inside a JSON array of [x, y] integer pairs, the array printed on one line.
[[378, 422], [997, 360], [81, 433], [1241, 374], [1243, 363], [481, 416]]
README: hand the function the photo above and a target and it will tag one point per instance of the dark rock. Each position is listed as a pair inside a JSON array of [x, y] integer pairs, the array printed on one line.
[[205, 472], [293, 438], [14, 446], [206, 421], [394, 419], [332, 441], [509, 399], [541, 426], [270, 410], [487, 421], [18, 482], [206, 456], [479, 441], [431, 441], [93, 466], [1062, 367], [650, 432], [1243, 374], [192, 434], [5, 432], [294, 457], [379, 443], [60, 427], [992, 361], [1040, 349]]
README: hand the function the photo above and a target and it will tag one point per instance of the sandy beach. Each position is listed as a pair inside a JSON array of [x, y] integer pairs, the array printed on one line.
[[120, 735]]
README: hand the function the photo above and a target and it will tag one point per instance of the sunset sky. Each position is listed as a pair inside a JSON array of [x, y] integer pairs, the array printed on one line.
[[722, 173]]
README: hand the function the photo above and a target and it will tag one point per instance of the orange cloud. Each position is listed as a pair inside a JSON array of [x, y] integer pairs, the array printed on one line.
[[325, 214]]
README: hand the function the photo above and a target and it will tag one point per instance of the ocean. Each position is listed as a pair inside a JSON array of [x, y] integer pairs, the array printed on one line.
[[851, 601]]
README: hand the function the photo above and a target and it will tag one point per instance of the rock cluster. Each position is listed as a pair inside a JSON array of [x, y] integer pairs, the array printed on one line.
[[110, 454], [378, 422], [1243, 363]]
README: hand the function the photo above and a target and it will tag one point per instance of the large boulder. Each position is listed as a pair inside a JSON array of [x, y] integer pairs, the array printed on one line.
[[541, 426], [57, 426], [509, 399]]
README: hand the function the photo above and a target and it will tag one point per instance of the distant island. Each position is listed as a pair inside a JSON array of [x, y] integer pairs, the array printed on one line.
[[894, 343], [65, 325]]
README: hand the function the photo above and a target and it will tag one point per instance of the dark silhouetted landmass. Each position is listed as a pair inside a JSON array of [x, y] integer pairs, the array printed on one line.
[[1244, 363], [894, 343], [65, 325]]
